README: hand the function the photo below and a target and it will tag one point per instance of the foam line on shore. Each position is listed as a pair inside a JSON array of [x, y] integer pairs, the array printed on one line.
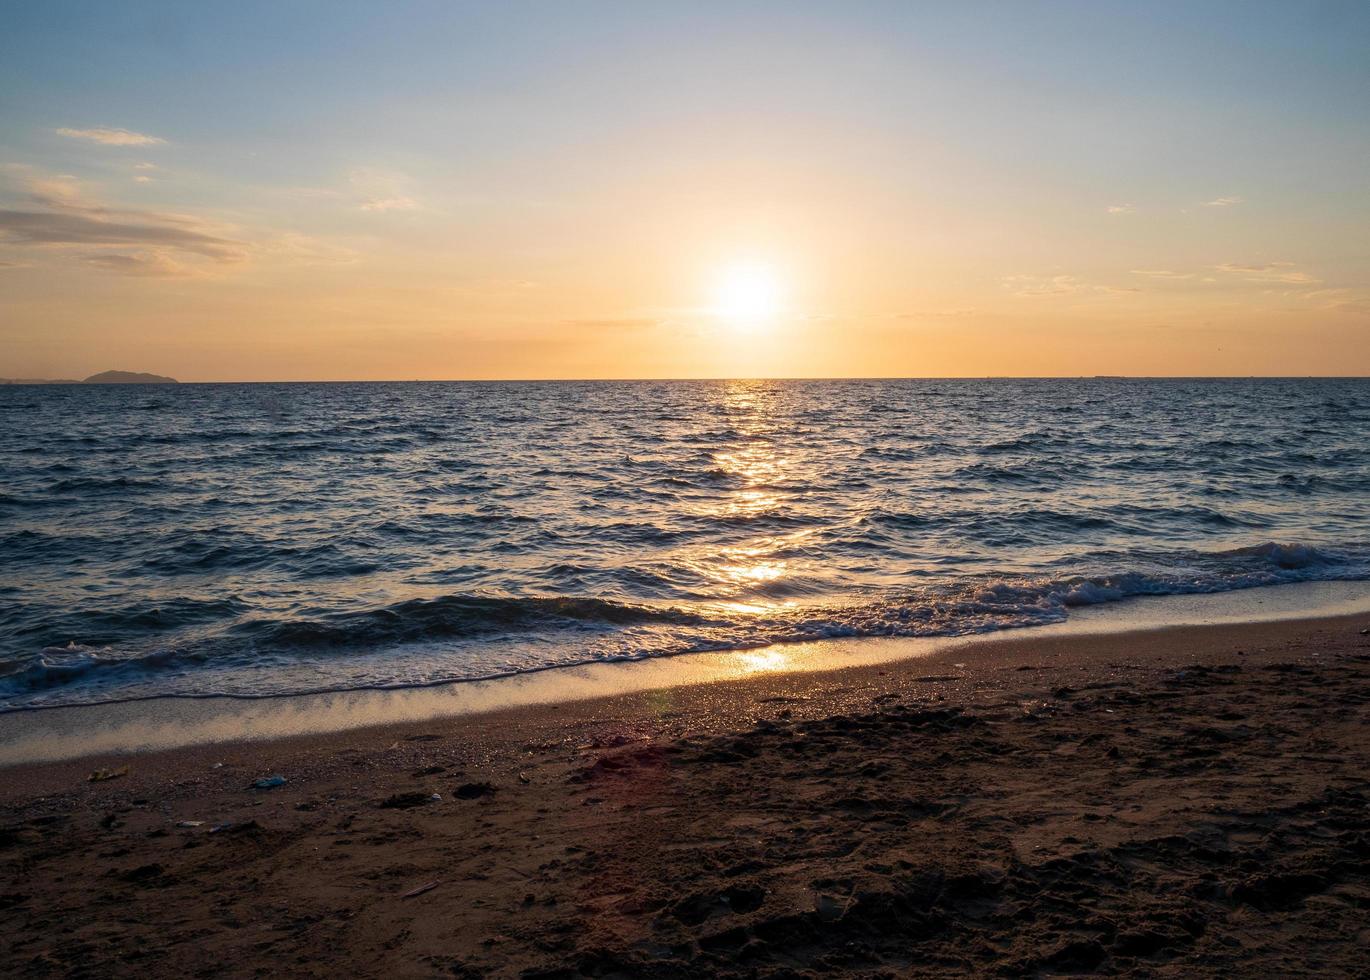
[[74, 732]]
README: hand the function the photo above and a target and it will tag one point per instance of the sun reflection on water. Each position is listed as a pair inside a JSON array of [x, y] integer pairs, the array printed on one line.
[[756, 470]]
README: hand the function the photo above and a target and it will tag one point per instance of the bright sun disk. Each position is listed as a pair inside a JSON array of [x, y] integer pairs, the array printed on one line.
[[747, 293]]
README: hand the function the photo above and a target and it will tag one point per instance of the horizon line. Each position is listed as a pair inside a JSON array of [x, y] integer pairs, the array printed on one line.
[[38, 382]]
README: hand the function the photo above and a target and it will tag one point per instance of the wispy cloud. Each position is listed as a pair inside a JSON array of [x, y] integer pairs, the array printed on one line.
[[1355, 302], [110, 137], [1224, 202], [306, 250], [1061, 285], [1122, 209], [151, 264], [936, 314], [140, 228], [1042, 285], [1285, 273], [382, 190], [57, 214], [390, 204], [52, 228], [614, 323], [1161, 274]]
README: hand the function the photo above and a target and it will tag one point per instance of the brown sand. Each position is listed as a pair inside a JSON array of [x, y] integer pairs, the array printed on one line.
[[1188, 802]]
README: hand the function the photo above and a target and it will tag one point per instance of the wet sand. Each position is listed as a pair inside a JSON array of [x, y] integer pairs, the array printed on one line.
[[1183, 802]]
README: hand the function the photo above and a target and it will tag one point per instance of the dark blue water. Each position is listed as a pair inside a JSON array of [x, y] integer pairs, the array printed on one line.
[[268, 539]]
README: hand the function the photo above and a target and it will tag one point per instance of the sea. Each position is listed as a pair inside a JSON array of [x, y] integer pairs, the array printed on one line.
[[262, 540]]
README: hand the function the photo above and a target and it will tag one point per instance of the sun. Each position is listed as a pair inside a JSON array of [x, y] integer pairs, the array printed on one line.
[[748, 293]]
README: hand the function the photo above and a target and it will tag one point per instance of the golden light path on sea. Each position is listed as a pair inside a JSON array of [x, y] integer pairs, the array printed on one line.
[[757, 468]]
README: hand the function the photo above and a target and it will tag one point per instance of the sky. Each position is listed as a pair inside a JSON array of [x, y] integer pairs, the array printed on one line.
[[329, 191]]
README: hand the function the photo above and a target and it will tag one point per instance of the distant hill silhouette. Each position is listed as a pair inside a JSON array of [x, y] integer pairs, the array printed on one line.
[[128, 378], [103, 378]]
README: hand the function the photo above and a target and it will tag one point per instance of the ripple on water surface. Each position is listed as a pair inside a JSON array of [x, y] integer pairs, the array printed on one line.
[[267, 539]]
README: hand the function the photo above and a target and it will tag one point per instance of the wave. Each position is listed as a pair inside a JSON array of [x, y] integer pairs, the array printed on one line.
[[455, 616], [129, 624], [1289, 556], [585, 630]]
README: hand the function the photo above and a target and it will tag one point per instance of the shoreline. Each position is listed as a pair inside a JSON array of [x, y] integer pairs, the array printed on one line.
[[964, 672], [891, 814], [60, 732]]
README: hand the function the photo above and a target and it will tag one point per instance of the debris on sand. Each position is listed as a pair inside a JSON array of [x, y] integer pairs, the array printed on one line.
[[101, 775]]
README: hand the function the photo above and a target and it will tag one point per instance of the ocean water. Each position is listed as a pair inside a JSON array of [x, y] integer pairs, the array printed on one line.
[[261, 540]]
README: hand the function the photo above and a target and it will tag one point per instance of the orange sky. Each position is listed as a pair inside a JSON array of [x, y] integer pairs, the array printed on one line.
[[473, 194]]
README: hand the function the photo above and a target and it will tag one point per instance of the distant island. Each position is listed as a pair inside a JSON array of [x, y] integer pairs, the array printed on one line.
[[103, 378], [128, 378]]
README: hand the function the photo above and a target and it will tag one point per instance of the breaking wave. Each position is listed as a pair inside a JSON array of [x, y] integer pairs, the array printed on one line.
[[441, 636]]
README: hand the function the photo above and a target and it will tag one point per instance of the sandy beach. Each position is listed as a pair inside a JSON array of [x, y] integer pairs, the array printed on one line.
[[1182, 802]]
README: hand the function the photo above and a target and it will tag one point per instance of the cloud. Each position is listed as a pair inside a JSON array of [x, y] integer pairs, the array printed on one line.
[[1351, 301], [1061, 285], [1278, 273], [1269, 272], [1122, 209], [306, 250], [55, 191], [614, 323], [58, 215], [390, 204], [382, 190], [154, 264], [145, 228], [1224, 202], [111, 137], [1161, 274], [936, 314], [1042, 286]]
